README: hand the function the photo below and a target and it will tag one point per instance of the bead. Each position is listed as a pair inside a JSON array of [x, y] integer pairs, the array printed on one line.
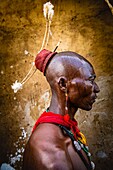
[[87, 147], [89, 154], [93, 165], [77, 146], [82, 146]]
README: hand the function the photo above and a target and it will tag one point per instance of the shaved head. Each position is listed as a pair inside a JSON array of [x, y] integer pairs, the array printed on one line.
[[68, 64]]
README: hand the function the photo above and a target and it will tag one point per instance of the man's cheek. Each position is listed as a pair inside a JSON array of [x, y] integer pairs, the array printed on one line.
[[82, 89], [87, 88], [76, 92]]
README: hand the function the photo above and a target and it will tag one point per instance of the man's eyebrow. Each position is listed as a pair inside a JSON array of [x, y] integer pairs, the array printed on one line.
[[92, 76]]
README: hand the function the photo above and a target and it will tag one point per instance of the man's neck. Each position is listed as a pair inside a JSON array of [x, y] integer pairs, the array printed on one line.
[[58, 107]]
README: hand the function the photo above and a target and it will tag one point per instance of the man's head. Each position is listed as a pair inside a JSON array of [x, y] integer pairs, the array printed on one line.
[[69, 72], [72, 73]]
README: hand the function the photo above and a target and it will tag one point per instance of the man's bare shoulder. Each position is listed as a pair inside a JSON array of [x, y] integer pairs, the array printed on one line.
[[47, 141], [47, 133]]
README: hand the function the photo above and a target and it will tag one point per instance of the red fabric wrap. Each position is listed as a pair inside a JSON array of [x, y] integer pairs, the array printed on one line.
[[42, 59], [50, 117]]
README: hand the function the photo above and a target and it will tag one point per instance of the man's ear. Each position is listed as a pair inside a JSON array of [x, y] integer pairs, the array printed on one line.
[[62, 82]]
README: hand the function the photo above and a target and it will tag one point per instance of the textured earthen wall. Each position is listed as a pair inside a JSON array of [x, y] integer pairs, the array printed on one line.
[[85, 27]]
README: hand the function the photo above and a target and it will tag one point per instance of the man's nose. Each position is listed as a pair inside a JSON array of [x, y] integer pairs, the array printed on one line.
[[96, 88]]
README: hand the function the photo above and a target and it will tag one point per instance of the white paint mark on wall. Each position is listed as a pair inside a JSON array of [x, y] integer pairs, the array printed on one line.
[[19, 150], [6, 166], [2, 72], [101, 154], [44, 102], [27, 108], [45, 96], [11, 66]]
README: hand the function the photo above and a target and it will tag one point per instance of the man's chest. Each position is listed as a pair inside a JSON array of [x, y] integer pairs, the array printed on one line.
[[75, 158]]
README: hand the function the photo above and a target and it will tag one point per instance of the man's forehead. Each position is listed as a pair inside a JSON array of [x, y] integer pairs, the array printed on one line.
[[87, 71]]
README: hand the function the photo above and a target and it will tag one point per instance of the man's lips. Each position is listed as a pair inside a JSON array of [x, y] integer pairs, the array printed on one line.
[[93, 100]]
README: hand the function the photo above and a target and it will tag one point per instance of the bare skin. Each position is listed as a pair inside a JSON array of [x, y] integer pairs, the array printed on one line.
[[48, 147]]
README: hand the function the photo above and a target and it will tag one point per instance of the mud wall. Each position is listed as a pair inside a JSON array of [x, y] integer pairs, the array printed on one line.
[[85, 27]]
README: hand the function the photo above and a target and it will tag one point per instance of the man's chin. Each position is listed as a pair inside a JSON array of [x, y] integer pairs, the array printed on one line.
[[87, 107]]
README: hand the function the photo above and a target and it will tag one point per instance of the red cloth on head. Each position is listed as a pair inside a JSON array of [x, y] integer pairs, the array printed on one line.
[[43, 58], [50, 117]]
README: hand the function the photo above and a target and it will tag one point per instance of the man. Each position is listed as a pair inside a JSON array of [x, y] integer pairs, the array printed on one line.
[[56, 142]]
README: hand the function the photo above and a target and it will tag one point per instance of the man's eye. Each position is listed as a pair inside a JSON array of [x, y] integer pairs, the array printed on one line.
[[92, 78]]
